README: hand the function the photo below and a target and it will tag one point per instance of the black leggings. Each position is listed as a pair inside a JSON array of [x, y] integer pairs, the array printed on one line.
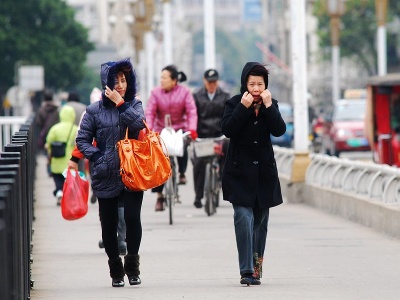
[[108, 210]]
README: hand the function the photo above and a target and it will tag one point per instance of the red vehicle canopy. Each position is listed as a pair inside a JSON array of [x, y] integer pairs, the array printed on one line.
[[382, 121]]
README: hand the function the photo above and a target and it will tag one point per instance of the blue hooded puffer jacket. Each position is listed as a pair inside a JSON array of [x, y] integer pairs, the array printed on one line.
[[106, 124]]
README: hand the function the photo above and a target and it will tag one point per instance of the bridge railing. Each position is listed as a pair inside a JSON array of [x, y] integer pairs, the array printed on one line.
[[17, 175], [9, 125], [374, 181], [363, 192]]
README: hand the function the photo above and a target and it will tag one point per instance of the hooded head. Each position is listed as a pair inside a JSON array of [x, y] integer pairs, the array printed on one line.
[[67, 114], [108, 73], [253, 68]]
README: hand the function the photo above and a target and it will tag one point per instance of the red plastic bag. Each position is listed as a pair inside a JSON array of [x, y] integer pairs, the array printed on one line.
[[74, 202]]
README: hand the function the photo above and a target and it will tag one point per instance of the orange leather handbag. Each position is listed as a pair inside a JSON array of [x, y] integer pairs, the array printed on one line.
[[143, 163]]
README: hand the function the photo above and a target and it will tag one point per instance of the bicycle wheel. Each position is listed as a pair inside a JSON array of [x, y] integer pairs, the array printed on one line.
[[208, 193], [169, 197]]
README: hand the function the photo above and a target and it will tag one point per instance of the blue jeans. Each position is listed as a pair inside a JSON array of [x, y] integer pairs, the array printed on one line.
[[251, 226]]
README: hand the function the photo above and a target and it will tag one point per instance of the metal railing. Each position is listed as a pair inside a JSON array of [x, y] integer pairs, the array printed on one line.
[[374, 181], [9, 125], [17, 173]]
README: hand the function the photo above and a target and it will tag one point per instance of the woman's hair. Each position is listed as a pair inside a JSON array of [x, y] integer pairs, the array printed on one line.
[[179, 76], [260, 70]]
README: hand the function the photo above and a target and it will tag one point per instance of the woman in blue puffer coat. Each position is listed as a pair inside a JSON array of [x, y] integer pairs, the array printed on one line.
[[105, 122]]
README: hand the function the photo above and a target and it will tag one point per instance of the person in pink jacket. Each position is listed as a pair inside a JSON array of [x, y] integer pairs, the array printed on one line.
[[171, 98]]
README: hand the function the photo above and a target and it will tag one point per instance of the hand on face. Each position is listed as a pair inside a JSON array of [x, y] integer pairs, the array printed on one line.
[[113, 95], [247, 99], [266, 98]]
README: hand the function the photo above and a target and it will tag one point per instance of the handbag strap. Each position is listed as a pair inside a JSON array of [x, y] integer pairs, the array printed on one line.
[[145, 125]]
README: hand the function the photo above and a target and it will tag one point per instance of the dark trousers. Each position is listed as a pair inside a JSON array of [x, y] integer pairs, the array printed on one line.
[[199, 175], [59, 180], [108, 210]]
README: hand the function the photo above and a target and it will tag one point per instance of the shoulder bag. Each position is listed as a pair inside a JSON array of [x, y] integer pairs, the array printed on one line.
[[58, 148], [143, 164]]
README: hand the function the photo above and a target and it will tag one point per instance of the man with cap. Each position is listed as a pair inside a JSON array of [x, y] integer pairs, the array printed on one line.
[[210, 101]]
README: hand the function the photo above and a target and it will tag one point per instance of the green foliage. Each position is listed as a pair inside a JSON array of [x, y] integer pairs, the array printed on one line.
[[234, 49], [358, 32], [42, 32], [90, 80]]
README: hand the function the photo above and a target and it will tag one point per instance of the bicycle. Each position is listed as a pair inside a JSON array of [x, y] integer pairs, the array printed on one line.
[[171, 185], [211, 150]]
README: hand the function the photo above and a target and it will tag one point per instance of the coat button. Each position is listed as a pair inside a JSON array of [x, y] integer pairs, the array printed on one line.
[[255, 123], [255, 162], [255, 142]]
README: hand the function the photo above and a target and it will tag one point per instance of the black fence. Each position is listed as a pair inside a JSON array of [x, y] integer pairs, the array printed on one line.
[[17, 175]]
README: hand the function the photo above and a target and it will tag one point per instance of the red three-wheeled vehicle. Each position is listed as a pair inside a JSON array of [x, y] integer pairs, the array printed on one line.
[[382, 121]]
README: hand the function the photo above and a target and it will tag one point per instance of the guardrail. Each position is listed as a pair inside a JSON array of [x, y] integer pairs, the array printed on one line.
[[363, 192], [17, 173], [374, 181], [9, 125]]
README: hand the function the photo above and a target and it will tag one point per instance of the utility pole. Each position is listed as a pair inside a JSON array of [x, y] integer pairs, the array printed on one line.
[[381, 12], [209, 35], [298, 45]]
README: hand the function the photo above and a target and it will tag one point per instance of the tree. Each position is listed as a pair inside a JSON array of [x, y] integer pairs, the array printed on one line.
[[42, 32], [358, 33]]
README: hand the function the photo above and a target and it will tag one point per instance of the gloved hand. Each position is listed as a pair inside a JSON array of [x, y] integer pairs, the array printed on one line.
[[193, 134], [218, 149]]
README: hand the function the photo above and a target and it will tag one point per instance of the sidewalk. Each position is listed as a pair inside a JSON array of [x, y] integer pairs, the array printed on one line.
[[309, 255]]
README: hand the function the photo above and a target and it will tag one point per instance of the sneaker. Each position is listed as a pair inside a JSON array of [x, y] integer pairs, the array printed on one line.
[[182, 179], [59, 195], [197, 203]]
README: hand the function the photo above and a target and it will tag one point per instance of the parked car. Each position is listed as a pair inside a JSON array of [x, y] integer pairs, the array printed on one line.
[[345, 130], [286, 140]]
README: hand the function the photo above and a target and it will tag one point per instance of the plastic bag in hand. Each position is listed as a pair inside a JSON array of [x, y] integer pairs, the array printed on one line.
[[74, 202]]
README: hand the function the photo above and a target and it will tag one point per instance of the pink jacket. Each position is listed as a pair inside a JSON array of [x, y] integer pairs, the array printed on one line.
[[178, 102]]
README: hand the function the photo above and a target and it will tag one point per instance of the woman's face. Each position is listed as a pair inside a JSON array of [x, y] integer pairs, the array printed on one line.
[[255, 86], [166, 82], [120, 84]]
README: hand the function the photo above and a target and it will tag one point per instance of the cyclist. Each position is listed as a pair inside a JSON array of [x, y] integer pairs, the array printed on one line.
[[177, 101], [210, 102]]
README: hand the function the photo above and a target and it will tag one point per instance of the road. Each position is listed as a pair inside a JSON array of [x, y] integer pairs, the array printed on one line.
[[310, 255]]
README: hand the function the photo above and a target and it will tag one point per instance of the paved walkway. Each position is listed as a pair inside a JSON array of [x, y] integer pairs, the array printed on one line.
[[310, 255]]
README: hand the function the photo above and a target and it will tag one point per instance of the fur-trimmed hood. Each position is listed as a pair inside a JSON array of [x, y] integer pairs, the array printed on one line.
[[108, 73]]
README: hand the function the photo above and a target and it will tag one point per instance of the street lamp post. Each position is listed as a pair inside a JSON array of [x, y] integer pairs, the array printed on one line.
[[209, 35], [335, 11], [381, 11]]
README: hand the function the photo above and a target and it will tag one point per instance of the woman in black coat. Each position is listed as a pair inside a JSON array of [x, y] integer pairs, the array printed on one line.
[[250, 177]]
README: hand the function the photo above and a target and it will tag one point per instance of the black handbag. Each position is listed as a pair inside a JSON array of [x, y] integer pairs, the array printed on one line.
[[58, 148]]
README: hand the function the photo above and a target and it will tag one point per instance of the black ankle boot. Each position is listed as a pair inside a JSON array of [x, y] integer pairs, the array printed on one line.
[[116, 272], [132, 268]]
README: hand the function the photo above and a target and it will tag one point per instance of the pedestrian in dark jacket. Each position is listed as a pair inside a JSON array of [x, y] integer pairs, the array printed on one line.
[[105, 122], [210, 102], [250, 177], [46, 117]]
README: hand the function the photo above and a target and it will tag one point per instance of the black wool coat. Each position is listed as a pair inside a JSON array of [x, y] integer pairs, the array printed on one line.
[[250, 173]]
